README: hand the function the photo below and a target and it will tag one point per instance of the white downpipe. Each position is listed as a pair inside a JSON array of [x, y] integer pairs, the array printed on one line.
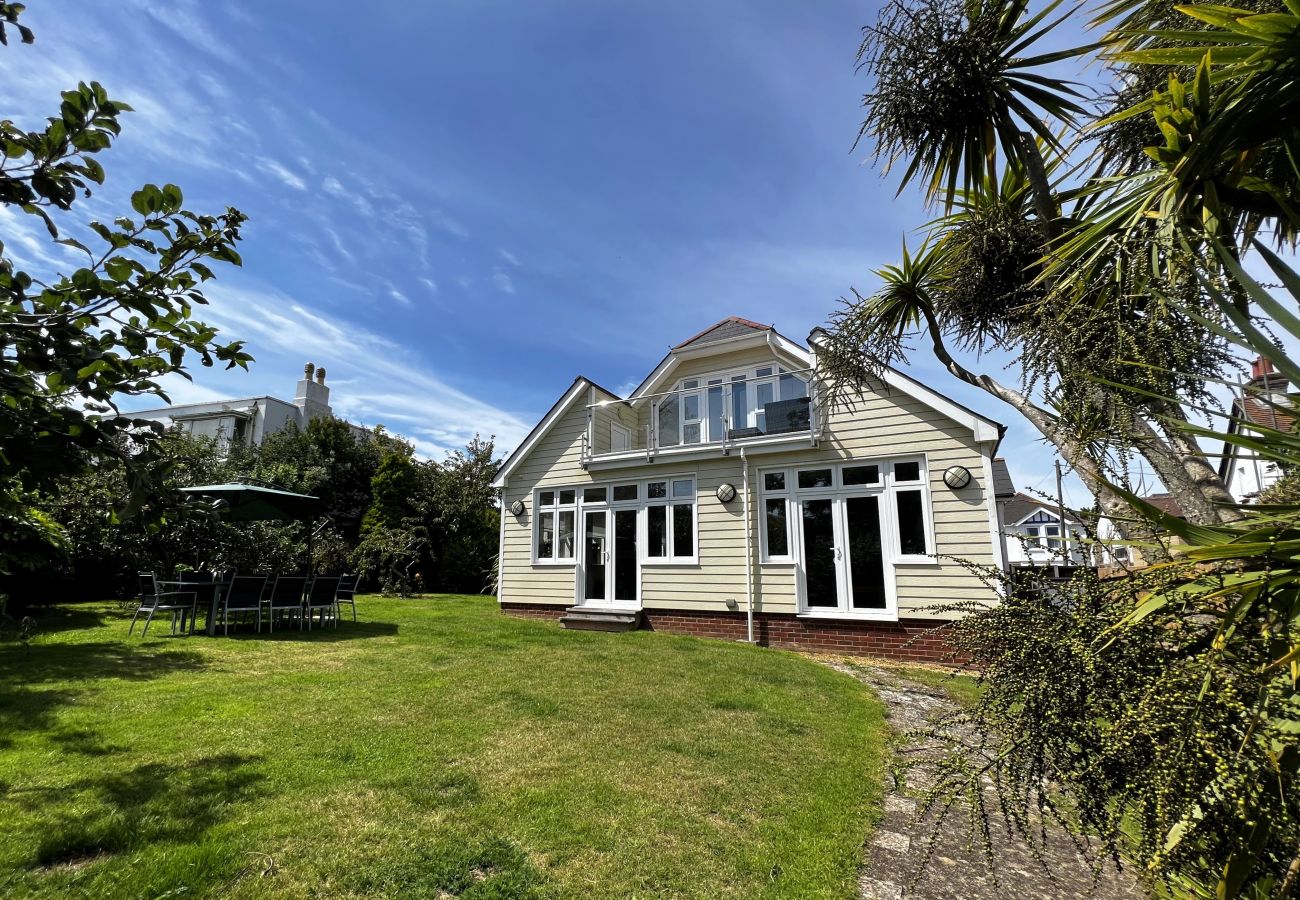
[[749, 554]]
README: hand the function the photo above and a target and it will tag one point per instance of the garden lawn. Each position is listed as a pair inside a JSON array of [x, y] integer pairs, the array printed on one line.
[[435, 749]]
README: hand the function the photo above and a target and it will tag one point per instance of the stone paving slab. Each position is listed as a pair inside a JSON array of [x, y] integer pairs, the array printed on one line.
[[958, 871]]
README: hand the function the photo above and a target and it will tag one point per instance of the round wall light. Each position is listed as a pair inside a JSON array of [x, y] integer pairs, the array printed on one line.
[[726, 493], [956, 477], [517, 508]]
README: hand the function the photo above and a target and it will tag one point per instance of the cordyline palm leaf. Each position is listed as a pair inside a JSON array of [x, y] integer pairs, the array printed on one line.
[[1244, 588], [952, 88], [869, 331]]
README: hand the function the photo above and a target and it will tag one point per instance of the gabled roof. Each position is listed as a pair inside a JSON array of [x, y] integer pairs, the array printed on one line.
[[1003, 486], [1255, 408], [730, 327], [1167, 504], [580, 385], [1022, 506]]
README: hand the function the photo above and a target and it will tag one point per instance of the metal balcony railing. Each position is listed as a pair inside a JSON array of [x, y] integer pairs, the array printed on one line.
[[710, 415]]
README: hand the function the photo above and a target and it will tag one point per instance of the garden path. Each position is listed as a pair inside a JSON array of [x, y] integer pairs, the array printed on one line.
[[957, 870]]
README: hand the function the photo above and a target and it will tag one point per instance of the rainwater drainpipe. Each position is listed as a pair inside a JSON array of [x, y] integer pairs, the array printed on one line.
[[749, 554]]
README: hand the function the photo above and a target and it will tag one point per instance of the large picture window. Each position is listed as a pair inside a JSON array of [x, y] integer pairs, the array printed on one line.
[[901, 484], [556, 518], [670, 520], [667, 506]]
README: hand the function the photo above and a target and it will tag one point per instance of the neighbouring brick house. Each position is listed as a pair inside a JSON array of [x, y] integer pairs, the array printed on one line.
[[728, 497]]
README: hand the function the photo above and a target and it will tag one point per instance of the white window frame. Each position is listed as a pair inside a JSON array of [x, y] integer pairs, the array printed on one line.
[[617, 431], [556, 508], [892, 488], [787, 495], [726, 379], [669, 502]]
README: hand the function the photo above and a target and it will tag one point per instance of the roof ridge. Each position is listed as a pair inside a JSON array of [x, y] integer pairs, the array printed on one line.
[[740, 320]]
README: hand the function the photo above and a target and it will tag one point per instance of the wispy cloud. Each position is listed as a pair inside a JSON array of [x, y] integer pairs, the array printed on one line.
[[508, 256], [281, 173], [396, 294], [430, 284], [184, 19], [386, 383], [448, 224], [503, 282]]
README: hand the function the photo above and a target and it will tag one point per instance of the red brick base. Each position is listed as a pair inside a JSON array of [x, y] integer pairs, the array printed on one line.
[[911, 640]]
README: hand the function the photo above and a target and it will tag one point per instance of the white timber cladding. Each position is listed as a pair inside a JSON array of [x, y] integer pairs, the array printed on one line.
[[882, 424]]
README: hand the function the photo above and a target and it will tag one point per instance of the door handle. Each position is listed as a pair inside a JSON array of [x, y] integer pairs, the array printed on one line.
[[838, 554]]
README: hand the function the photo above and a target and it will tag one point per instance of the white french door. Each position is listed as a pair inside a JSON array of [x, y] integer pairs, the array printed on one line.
[[844, 565], [609, 574]]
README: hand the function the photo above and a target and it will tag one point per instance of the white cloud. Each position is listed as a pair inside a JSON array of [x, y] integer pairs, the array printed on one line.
[[508, 256], [397, 295], [182, 17], [386, 382], [281, 173], [448, 224], [430, 284], [503, 282]]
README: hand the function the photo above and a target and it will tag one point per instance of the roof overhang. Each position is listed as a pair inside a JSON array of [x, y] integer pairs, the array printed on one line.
[[781, 346], [580, 386], [983, 428]]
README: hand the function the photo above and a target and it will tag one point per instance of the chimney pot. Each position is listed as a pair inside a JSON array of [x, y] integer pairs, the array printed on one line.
[[1260, 367], [307, 370], [320, 375]]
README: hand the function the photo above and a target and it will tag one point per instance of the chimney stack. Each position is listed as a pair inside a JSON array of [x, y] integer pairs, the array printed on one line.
[[1260, 368], [312, 397]]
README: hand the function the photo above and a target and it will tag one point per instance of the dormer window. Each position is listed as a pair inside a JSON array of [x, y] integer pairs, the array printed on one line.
[[709, 408]]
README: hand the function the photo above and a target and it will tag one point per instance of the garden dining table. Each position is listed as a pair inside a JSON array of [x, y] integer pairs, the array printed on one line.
[[217, 588]]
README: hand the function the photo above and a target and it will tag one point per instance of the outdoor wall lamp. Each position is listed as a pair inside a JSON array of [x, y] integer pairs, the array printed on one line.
[[517, 508], [956, 477], [726, 492]]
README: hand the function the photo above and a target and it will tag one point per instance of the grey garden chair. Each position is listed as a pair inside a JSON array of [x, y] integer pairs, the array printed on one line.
[[347, 593], [286, 597], [243, 594], [322, 597], [155, 601]]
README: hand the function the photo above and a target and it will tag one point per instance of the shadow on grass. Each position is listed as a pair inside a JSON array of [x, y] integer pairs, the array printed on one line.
[[26, 705], [119, 811], [73, 617], [348, 631], [101, 659]]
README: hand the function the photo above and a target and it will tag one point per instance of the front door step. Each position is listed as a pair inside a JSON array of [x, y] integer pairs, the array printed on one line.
[[591, 618]]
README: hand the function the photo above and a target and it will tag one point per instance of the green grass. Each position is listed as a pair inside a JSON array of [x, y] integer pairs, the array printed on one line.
[[436, 749]]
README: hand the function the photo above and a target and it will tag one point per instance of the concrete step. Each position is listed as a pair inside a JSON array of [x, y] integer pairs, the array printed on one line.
[[587, 618]]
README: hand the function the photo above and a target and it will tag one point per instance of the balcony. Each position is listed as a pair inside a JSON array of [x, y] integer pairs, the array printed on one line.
[[700, 421]]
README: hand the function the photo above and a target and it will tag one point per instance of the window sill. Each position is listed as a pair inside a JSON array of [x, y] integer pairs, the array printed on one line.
[[671, 563], [916, 561], [776, 562], [838, 616], [553, 563]]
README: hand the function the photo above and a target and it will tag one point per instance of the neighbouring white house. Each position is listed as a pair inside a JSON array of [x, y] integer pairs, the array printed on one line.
[[1034, 535], [250, 419], [728, 496], [1263, 403]]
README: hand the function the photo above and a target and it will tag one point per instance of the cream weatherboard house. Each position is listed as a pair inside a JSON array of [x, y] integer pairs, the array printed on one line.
[[727, 496]]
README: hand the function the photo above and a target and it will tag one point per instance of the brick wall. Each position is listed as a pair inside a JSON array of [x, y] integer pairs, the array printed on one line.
[[913, 640]]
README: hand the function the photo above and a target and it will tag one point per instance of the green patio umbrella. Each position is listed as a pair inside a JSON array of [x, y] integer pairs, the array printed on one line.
[[254, 503]]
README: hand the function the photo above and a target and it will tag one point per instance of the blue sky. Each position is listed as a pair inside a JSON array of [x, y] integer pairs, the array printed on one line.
[[458, 207]]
